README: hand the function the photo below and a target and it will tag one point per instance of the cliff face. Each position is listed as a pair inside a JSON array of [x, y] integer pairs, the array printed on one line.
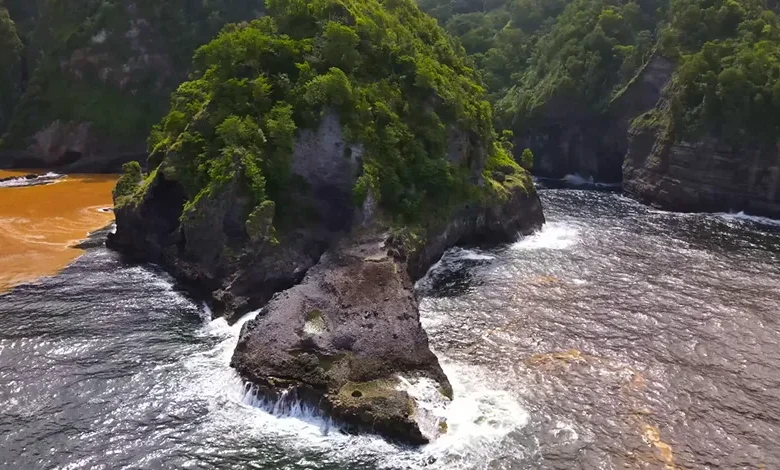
[[702, 176], [213, 251], [99, 76], [572, 139]]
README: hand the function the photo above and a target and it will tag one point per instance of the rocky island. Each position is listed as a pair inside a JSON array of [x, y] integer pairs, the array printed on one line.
[[319, 160]]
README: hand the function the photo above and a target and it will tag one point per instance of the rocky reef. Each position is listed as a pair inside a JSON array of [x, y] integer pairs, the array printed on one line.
[[314, 166]]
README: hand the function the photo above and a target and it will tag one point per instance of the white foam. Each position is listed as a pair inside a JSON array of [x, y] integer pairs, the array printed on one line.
[[553, 236], [576, 179], [742, 217], [470, 255], [22, 181], [453, 260], [479, 419]]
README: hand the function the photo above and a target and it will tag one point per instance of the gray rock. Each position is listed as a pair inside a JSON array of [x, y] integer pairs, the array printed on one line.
[[702, 176], [340, 328], [349, 335]]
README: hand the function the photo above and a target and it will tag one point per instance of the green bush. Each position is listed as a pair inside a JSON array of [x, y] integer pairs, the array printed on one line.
[[128, 183], [527, 159]]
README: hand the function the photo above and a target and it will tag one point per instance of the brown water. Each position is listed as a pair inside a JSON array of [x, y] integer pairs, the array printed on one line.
[[39, 223]]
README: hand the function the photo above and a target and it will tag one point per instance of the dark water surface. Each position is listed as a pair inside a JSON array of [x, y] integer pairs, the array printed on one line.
[[618, 337]]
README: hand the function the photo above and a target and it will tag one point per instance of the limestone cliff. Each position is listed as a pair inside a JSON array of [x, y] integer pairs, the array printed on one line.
[[705, 175]]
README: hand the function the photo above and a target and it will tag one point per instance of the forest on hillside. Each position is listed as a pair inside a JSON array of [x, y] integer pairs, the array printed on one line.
[[531, 52]]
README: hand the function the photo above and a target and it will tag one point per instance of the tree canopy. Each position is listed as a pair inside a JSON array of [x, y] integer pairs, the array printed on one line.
[[396, 80]]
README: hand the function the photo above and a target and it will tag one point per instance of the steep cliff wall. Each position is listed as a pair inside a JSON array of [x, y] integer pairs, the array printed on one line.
[[569, 138], [706, 175]]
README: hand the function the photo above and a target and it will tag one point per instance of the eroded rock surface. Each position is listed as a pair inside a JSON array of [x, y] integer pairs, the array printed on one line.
[[349, 335]]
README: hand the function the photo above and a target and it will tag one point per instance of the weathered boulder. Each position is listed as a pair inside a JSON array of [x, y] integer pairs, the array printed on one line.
[[340, 338], [702, 176]]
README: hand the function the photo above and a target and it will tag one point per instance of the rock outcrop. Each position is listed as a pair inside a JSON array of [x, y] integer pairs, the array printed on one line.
[[702, 176], [340, 325], [215, 254], [573, 139], [314, 184], [348, 337]]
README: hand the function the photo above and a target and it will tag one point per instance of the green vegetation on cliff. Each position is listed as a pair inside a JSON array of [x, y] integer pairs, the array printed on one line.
[[500, 35], [111, 63], [395, 80], [594, 48], [728, 82], [578, 55]]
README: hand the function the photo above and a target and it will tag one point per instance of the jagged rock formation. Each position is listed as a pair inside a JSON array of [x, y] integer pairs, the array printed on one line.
[[302, 169], [342, 323]]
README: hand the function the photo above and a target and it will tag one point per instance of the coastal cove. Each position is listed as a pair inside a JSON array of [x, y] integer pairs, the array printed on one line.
[[390, 234]]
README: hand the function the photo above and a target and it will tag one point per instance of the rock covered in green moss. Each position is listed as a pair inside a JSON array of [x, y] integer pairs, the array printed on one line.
[[316, 108]]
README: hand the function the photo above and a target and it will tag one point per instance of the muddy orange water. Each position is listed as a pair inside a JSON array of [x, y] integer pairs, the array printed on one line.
[[39, 224]]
